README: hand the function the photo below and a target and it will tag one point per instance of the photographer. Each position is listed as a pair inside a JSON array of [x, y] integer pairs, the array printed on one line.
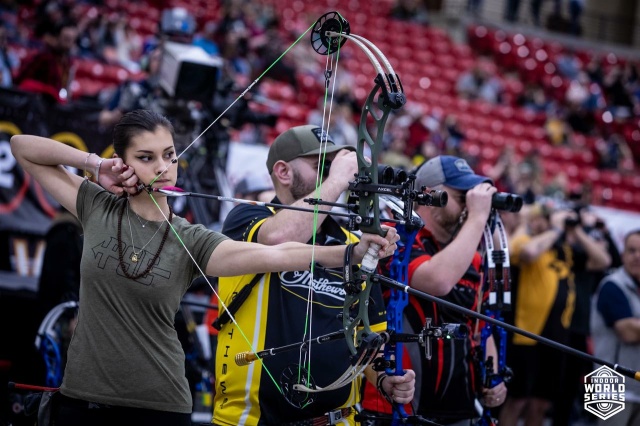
[[546, 256], [586, 276]]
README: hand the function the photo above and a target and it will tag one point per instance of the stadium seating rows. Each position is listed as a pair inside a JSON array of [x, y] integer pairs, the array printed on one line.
[[429, 64]]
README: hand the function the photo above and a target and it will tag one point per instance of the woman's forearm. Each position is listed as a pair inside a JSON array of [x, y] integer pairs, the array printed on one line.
[[35, 150]]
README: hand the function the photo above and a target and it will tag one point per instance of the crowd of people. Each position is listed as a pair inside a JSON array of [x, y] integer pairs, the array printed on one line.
[[565, 286]]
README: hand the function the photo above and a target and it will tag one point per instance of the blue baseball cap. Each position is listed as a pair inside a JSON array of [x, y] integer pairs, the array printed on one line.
[[451, 171]]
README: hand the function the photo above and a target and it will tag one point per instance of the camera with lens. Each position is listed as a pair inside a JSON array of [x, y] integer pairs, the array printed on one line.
[[239, 113], [571, 222], [507, 202]]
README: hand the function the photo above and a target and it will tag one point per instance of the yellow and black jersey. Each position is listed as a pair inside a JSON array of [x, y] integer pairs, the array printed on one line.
[[274, 315], [545, 293]]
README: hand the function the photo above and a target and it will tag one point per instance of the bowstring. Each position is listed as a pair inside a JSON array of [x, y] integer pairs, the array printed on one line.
[[304, 355]]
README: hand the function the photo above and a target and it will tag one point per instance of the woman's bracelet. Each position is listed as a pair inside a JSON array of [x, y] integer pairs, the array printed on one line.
[[87, 175], [98, 170]]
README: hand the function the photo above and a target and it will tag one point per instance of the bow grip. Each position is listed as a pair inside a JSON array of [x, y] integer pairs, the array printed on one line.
[[370, 258]]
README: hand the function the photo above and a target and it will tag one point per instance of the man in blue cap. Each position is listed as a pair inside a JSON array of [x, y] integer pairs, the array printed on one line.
[[445, 263]]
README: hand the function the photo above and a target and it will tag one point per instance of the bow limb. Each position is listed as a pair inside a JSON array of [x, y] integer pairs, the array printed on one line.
[[398, 301], [497, 283], [382, 99]]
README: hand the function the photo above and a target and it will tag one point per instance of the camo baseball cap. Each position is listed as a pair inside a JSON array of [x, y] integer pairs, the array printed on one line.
[[301, 141]]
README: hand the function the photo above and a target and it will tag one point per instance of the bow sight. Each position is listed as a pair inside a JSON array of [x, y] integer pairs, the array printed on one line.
[[447, 331]]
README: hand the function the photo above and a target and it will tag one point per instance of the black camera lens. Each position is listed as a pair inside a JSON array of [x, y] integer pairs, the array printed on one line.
[[571, 222], [434, 198]]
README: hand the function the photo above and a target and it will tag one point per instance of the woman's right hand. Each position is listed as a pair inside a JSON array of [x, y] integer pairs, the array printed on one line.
[[117, 178]]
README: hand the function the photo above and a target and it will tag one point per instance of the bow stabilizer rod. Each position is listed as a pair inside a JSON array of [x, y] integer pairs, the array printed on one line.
[[422, 295]]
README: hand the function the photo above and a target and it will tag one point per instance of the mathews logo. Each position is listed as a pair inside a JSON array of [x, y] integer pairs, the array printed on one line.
[[604, 392]]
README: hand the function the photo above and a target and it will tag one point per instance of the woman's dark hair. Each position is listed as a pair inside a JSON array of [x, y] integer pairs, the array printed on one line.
[[135, 122]]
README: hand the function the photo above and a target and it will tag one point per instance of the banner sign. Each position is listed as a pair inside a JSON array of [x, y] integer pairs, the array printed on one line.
[[26, 210]]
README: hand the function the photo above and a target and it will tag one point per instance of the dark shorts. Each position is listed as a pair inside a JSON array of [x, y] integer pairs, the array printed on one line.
[[538, 371], [75, 412]]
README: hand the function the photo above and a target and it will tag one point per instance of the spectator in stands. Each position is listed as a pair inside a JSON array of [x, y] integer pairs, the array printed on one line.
[[207, 39], [90, 34], [410, 10], [479, 83], [615, 325], [427, 150], [558, 131], [394, 155], [594, 69], [575, 12], [504, 173], [586, 278], [475, 7], [568, 63], [266, 48], [530, 174], [621, 104], [558, 187], [536, 6], [9, 61], [511, 10], [128, 45], [584, 94], [133, 94], [614, 154], [453, 135], [49, 71], [545, 257], [534, 98]]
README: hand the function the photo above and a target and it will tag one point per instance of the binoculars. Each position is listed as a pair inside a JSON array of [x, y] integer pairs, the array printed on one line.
[[507, 202]]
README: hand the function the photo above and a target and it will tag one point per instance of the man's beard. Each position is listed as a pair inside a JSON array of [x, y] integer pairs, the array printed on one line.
[[299, 188], [448, 221]]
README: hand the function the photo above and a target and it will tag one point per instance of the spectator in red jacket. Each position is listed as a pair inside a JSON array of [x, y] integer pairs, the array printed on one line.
[[49, 71]]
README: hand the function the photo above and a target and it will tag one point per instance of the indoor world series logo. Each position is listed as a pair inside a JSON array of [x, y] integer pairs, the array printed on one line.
[[604, 392]]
